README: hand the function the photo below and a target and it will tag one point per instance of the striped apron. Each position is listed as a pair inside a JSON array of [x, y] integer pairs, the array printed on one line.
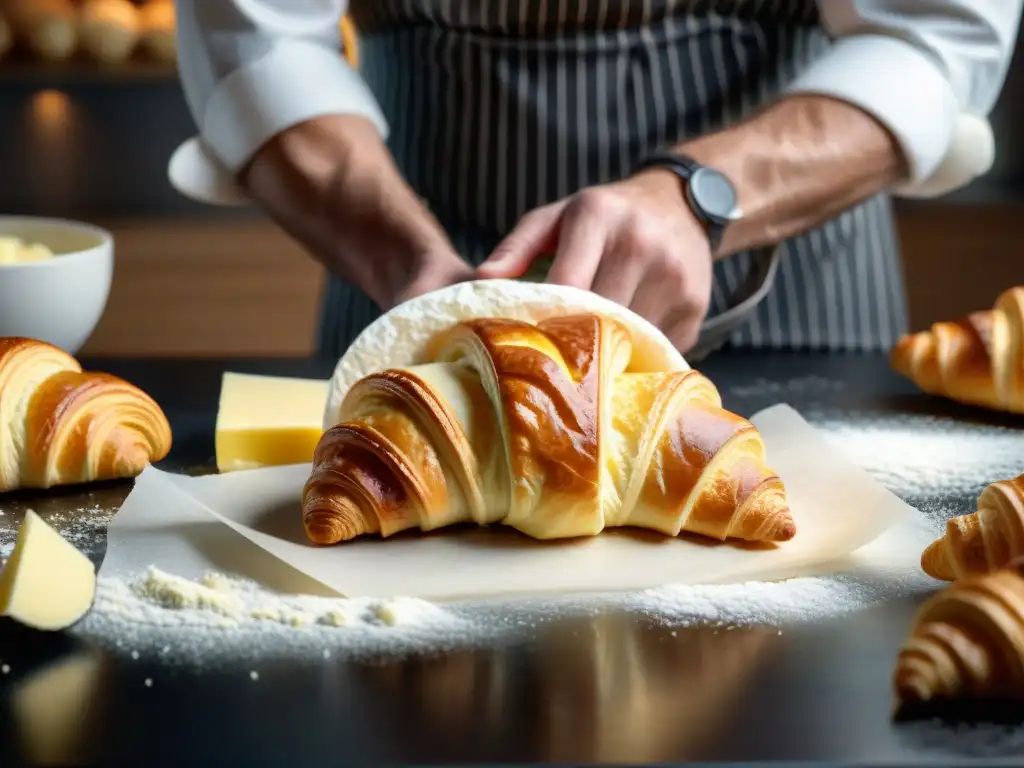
[[499, 106]]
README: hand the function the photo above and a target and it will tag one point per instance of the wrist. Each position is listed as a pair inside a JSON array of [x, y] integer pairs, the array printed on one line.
[[332, 184], [671, 187], [667, 187]]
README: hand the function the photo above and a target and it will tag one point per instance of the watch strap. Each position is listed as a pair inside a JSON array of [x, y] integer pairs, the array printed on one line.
[[686, 166]]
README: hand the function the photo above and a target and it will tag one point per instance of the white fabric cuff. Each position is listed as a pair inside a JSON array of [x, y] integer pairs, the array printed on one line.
[[901, 87], [295, 82]]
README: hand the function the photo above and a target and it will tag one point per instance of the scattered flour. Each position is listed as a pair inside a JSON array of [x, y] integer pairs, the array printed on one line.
[[84, 527], [776, 390], [220, 617], [921, 456], [928, 461], [969, 740]]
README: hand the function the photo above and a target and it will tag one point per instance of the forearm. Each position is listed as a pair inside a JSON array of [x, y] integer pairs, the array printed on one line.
[[332, 184], [797, 164], [882, 107]]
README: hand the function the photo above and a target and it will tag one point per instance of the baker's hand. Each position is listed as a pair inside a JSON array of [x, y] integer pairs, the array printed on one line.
[[432, 271], [635, 242], [332, 184]]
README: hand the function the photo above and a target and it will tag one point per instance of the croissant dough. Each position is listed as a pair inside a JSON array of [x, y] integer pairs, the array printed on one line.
[[981, 541], [400, 337], [967, 642], [977, 360], [59, 425], [543, 428]]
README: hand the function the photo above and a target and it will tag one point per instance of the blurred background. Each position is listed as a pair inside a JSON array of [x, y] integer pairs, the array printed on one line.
[[90, 121]]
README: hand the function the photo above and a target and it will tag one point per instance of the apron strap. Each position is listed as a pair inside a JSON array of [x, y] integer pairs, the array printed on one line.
[[715, 331]]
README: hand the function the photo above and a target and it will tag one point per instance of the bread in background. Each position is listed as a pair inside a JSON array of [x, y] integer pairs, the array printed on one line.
[[109, 30], [977, 359], [967, 643], [158, 25], [6, 36], [48, 28], [982, 541]]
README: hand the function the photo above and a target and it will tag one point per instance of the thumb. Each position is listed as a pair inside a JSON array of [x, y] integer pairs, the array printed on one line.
[[534, 236]]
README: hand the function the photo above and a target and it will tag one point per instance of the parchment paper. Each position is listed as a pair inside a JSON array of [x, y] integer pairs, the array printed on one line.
[[172, 521]]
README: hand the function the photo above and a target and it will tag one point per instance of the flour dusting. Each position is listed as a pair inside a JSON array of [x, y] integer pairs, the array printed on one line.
[[972, 740], [84, 527], [937, 464], [921, 456], [219, 617]]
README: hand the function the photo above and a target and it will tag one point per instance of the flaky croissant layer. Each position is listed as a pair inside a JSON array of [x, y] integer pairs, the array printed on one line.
[[60, 425], [542, 428], [984, 540], [967, 642], [977, 360]]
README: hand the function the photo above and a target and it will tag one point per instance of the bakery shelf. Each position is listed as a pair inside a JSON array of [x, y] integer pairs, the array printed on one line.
[[57, 74]]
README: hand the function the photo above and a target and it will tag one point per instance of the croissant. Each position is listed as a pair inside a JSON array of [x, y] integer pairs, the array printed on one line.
[[544, 429], [967, 642], [981, 541], [60, 426], [977, 360]]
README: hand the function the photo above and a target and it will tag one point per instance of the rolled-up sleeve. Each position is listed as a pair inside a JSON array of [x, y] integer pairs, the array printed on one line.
[[917, 66], [251, 69]]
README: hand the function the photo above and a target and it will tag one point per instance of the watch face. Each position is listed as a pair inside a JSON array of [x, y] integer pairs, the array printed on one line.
[[713, 193]]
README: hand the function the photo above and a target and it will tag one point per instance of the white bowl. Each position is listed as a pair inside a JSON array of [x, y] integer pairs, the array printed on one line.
[[58, 300]]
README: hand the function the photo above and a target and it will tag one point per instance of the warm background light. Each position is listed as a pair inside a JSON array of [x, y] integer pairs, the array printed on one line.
[[51, 108], [53, 122]]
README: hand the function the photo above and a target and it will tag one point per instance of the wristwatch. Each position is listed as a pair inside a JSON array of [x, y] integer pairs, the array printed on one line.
[[709, 193]]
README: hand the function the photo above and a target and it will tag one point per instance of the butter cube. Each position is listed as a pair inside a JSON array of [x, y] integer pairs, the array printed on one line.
[[266, 421], [47, 583]]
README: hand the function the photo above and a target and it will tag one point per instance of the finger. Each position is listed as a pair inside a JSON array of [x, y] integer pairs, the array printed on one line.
[[656, 296], [534, 236], [619, 274], [581, 245]]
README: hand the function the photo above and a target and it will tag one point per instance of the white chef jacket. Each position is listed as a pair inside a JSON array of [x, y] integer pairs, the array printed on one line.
[[930, 71]]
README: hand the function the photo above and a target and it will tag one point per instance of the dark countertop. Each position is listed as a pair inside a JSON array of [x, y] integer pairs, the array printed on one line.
[[813, 692]]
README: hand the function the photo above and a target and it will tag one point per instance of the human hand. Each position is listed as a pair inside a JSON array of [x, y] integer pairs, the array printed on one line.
[[635, 242], [332, 184], [433, 270], [388, 243]]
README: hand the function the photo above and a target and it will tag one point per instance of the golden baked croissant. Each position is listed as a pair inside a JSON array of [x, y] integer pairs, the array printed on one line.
[[981, 541], [977, 360], [967, 642], [544, 429], [60, 426]]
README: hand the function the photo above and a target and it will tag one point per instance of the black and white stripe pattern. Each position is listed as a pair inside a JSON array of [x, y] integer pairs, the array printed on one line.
[[498, 107]]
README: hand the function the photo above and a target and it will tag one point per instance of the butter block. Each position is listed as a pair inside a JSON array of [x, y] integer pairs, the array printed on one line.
[[267, 421], [47, 583], [15, 251]]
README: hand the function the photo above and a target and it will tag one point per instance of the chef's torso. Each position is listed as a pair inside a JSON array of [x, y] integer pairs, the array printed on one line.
[[499, 106]]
